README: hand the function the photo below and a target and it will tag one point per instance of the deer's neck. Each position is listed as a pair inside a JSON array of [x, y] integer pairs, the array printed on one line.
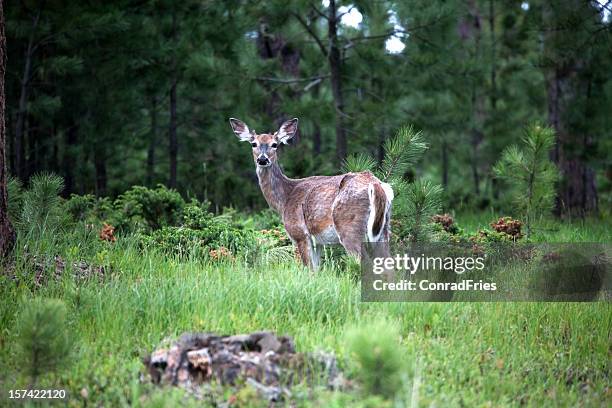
[[275, 186]]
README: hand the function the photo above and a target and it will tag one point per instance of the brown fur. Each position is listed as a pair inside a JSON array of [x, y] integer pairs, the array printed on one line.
[[313, 207], [380, 204]]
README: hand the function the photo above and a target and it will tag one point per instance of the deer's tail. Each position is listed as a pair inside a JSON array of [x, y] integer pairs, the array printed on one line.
[[381, 196]]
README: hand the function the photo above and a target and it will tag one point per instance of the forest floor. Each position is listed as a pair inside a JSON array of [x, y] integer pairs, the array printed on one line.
[[455, 354]]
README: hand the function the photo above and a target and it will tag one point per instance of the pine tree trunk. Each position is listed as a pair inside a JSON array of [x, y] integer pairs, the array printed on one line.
[[22, 108], [566, 82], [152, 143], [269, 47], [316, 134], [444, 164], [173, 142], [100, 166], [172, 137], [33, 148], [471, 31], [335, 68], [275, 46], [7, 233], [493, 98], [493, 57], [476, 138], [316, 141], [577, 192], [69, 158]]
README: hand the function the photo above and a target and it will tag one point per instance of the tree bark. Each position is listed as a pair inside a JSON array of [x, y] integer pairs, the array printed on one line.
[[275, 46], [577, 191], [7, 233], [476, 137], [269, 46], [152, 143], [567, 80], [493, 99], [173, 141], [470, 29], [493, 56], [316, 134], [335, 67]]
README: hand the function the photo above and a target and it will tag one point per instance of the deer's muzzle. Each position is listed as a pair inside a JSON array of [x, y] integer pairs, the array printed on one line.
[[263, 160]]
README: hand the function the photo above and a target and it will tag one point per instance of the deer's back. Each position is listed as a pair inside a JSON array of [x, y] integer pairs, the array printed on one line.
[[318, 203]]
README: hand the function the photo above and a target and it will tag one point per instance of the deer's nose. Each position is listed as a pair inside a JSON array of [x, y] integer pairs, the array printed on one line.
[[263, 161]]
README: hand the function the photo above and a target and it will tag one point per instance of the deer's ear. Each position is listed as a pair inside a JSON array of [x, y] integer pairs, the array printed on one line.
[[241, 130], [287, 130]]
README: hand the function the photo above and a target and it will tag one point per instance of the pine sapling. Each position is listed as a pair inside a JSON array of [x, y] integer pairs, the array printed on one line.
[[43, 341], [531, 174], [415, 203]]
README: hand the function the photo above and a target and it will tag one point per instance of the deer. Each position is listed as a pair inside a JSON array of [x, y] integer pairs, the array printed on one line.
[[347, 209]]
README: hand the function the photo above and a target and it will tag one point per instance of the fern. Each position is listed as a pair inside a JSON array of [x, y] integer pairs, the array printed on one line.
[[530, 173]]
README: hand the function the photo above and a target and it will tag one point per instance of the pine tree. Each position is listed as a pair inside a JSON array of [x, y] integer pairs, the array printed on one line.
[[530, 172], [415, 202], [44, 344], [7, 233]]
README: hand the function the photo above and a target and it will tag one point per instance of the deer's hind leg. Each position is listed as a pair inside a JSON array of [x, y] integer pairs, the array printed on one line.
[[351, 229]]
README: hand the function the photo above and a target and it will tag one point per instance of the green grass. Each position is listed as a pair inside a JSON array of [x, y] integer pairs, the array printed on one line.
[[457, 354]]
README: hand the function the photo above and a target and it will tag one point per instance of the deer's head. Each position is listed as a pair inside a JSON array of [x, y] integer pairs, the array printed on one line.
[[265, 144]]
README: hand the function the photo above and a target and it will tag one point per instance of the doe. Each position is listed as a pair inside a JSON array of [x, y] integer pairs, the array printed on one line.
[[348, 208]]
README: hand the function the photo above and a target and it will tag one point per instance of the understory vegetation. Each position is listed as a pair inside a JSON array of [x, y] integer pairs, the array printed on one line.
[[130, 214], [95, 284]]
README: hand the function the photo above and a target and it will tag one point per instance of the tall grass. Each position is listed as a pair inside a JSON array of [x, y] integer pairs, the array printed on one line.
[[472, 354]]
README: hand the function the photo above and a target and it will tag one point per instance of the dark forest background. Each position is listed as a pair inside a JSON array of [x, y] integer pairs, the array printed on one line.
[[119, 93]]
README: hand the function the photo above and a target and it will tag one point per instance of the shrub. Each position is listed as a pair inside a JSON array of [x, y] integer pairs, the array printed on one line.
[[91, 209], [43, 344], [189, 241], [447, 222], [149, 209], [196, 216], [267, 219], [508, 226]]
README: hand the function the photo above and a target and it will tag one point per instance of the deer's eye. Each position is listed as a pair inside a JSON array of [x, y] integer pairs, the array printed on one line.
[[274, 145], [254, 144]]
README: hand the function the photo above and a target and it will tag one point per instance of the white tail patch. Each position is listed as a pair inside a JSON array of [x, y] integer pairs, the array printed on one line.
[[372, 216], [388, 192]]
